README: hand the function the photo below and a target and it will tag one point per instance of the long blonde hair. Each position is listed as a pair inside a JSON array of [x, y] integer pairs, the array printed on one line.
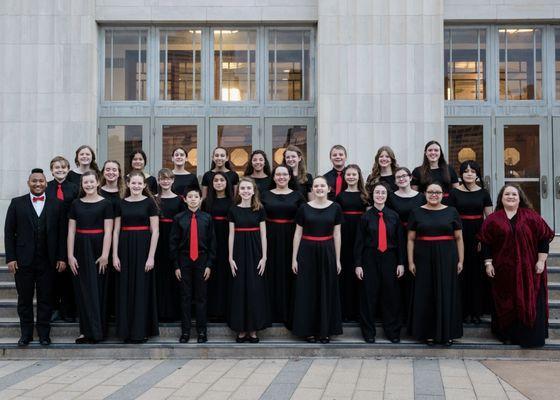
[[302, 168], [256, 199]]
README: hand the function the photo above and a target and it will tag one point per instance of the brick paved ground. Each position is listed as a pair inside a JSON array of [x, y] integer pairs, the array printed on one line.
[[304, 379]]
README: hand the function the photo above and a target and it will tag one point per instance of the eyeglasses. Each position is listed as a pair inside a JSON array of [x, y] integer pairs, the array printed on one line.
[[431, 193], [399, 177]]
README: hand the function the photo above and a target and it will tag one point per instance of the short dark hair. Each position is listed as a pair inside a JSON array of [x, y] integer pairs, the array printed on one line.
[[37, 171], [193, 189]]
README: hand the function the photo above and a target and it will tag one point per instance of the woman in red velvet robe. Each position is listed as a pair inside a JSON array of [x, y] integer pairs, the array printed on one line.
[[516, 241]]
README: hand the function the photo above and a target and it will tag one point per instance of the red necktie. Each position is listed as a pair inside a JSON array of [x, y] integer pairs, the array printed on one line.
[[382, 239], [193, 249], [338, 184], [59, 192], [40, 198]]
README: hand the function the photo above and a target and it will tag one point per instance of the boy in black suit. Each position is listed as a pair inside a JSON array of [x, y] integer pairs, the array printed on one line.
[[63, 299], [192, 246], [35, 241]]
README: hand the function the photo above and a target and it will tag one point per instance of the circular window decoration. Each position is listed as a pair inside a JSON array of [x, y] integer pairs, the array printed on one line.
[[239, 157], [192, 157], [511, 156], [466, 154]]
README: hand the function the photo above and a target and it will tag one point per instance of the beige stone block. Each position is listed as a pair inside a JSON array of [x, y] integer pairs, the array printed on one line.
[[45, 390], [233, 13], [227, 384], [99, 392], [460, 394], [367, 395], [489, 390], [213, 395], [432, 7], [468, 12], [456, 382], [184, 13], [156, 394], [192, 389], [380, 7], [107, 13], [295, 13], [329, 7], [306, 394], [62, 395], [31, 383], [397, 7], [249, 392]]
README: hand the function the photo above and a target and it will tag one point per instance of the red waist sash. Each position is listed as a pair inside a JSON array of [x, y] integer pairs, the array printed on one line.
[[352, 212], [317, 238], [471, 216], [434, 238], [280, 220], [90, 231], [166, 220], [135, 228], [219, 218], [247, 229]]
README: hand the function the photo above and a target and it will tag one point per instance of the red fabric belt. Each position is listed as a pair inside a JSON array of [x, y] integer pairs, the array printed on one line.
[[219, 218], [433, 238], [446, 195], [353, 212], [471, 216], [247, 229], [317, 238], [166, 220], [281, 221], [135, 228], [90, 231]]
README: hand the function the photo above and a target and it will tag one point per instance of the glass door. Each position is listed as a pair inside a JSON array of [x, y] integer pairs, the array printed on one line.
[[240, 136], [181, 132], [523, 158], [556, 151], [471, 139], [118, 137], [281, 132]]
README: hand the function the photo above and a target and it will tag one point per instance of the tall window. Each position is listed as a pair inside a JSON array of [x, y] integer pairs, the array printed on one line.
[[520, 64], [289, 64], [235, 65], [125, 64], [465, 64], [180, 65]]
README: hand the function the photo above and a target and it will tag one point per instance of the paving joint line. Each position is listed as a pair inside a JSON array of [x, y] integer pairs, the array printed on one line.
[[25, 373]]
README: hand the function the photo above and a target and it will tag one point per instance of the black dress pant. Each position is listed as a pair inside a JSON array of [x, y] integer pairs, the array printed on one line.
[[63, 297], [380, 285], [39, 277], [193, 291]]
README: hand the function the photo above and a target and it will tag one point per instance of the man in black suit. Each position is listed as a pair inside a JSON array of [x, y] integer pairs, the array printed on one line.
[[35, 241]]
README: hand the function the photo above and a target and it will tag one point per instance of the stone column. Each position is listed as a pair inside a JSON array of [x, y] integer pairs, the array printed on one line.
[[380, 78]]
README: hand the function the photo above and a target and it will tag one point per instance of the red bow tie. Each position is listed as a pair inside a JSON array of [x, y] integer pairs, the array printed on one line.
[[38, 198]]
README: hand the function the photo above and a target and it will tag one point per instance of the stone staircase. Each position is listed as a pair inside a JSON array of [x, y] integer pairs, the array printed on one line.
[[276, 342]]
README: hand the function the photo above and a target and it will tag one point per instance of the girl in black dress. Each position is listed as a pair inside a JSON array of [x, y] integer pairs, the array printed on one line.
[[220, 163], [184, 180], [137, 161], [473, 203], [434, 168], [383, 170], [112, 188], [435, 258], [135, 236], [403, 201], [293, 158], [247, 250], [316, 262], [379, 265], [217, 203], [167, 287], [259, 170], [353, 201], [85, 161], [90, 227], [281, 204]]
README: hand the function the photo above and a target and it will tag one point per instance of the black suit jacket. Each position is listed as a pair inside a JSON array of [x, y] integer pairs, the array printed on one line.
[[19, 238]]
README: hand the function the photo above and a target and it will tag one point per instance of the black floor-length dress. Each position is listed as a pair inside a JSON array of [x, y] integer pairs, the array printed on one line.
[[219, 284], [475, 287], [115, 199], [90, 285], [249, 305], [436, 302], [184, 182], [380, 288], [403, 206], [281, 212], [353, 208], [136, 297], [167, 285], [305, 187], [263, 184], [316, 299], [231, 176]]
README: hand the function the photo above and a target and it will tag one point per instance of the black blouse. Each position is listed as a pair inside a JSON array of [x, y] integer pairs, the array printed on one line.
[[436, 175], [137, 213], [319, 221], [91, 215], [184, 182]]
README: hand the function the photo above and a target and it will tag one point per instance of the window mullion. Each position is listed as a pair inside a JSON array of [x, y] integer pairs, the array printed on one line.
[[302, 65]]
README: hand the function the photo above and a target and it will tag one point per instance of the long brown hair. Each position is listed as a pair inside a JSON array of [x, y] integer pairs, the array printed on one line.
[[88, 173], [227, 164], [361, 187], [302, 167], [120, 180], [93, 165], [146, 191], [442, 163], [375, 174], [255, 200], [524, 201]]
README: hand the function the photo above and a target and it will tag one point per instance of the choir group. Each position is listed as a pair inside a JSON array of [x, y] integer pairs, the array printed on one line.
[[420, 249]]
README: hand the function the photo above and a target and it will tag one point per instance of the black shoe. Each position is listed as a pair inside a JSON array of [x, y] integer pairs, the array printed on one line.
[[449, 343], [241, 339], [202, 338], [82, 340], [45, 341], [325, 340], [253, 339], [311, 339], [396, 340], [23, 341], [184, 338], [430, 342], [369, 339]]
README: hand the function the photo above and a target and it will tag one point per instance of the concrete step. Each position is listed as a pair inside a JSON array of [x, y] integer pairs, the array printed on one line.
[[8, 290], [158, 348]]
